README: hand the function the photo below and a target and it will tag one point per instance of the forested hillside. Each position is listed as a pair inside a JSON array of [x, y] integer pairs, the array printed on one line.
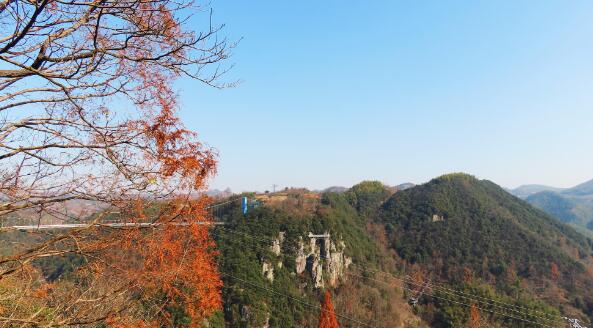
[[457, 241], [271, 274], [453, 252], [464, 230], [574, 209]]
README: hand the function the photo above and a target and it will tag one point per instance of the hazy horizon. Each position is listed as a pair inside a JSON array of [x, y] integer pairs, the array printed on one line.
[[280, 187]]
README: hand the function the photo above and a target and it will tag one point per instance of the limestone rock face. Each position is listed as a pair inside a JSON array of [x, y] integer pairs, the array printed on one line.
[[336, 263], [437, 218], [268, 270], [319, 256], [323, 259], [277, 243], [276, 248], [301, 257], [317, 273], [245, 312], [267, 323]]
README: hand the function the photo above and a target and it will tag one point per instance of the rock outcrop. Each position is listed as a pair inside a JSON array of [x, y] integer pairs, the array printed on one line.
[[276, 248], [277, 243], [437, 218], [268, 270], [301, 257], [320, 257]]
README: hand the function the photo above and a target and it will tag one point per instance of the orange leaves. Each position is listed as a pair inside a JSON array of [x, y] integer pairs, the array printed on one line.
[[174, 262], [327, 318], [42, 291], [554, 271], [181, 264], [116, 322], [175, 150], [474, 321], [113, 117], [155, 17]]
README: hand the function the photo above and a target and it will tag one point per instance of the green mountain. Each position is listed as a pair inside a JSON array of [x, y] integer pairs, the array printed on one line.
[[470, 236], [420, 257], [571, 209], [457, 224], [275, 272]]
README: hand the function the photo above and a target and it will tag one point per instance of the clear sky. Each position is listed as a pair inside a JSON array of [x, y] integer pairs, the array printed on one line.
[[335, 92]]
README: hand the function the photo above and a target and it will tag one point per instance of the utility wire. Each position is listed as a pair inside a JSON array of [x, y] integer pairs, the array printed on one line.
[[246, 282], [405, 280], [447, 299], [454, 292], [458, 302], [223, 203]]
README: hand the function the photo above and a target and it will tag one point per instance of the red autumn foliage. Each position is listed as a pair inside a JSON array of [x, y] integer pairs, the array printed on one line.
[[327, 317], [178, 260], [474, 321], [88, 87], [554, 271]]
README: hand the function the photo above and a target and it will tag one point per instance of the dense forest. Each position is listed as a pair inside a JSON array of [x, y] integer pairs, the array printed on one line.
[[464, 230], [469, 240], [449, 253]]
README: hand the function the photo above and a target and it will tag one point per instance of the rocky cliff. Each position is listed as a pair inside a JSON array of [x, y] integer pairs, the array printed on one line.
[[317, 255]]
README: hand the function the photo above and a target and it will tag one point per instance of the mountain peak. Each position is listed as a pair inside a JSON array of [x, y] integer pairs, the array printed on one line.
[[456, 176]]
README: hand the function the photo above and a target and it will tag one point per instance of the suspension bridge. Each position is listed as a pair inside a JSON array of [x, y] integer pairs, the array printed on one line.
[[122, 225]]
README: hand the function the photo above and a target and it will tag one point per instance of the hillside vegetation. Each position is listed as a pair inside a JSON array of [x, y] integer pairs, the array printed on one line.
[[456, 232], [461, 229], [291, 299], [462, 250]]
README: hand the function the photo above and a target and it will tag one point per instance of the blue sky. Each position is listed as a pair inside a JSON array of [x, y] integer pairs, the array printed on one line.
[[335, 92]]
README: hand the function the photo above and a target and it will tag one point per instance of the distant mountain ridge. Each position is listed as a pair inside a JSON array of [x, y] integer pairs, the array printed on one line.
[[526, 190], [336, 189], [570, 205], [554, 204], [584, 189], [216, 193]]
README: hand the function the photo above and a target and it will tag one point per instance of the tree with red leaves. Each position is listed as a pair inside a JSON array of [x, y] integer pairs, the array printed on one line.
[[327, 318], [554, 271], [474, 320], [89, 120]]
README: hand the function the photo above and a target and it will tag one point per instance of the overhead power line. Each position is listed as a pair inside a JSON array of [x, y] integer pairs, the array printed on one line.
[[477, 300], [503, 305], [296, 299]]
